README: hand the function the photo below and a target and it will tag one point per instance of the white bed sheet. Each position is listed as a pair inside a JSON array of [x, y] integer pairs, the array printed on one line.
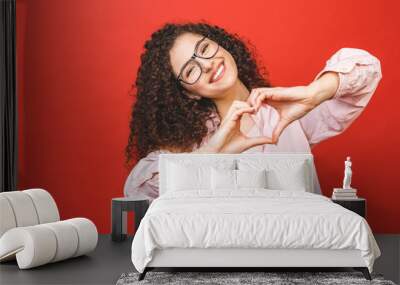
[[250, 218]]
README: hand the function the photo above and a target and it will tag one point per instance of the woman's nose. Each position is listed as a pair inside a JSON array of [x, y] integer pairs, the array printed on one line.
[[206, 64]]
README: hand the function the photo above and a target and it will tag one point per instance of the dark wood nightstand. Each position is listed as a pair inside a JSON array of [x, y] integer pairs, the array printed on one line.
[[119, 207], [358, 205]]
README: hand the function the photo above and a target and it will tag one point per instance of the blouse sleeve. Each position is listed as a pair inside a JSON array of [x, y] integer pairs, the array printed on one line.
[[143, 178], [359, 74], [143, 181]]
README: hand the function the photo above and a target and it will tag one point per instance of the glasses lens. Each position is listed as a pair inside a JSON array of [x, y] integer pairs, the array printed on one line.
[[207, 48], [191, 72]]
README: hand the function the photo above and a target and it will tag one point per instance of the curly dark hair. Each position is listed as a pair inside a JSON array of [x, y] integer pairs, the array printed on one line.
[[162, 116]]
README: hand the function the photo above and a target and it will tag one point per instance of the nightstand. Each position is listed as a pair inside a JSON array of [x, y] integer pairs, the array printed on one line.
[[119, 207], [356, 205]]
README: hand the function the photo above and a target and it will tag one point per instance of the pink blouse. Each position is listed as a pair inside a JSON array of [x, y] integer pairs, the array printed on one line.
[[359, 75]]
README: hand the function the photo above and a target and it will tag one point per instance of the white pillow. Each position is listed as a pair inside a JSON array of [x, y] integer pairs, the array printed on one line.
[[182, 177], [235, 179], [282, 174], [289, 179], [223, 179], [251, 178], [187, 174]]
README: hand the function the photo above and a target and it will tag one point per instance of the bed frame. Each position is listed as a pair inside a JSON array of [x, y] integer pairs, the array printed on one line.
[[240, 259], [243, 259]]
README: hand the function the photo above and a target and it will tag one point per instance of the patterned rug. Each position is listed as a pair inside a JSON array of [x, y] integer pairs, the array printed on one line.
[[243, 278]]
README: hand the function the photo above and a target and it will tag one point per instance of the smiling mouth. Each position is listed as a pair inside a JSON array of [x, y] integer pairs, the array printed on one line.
[[218, 73]]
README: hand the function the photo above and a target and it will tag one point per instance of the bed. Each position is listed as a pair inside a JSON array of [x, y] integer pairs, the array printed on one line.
[[248, 210]]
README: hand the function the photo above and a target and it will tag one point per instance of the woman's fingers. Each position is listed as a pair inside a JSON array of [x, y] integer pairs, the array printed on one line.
[[232, 122], [260, 100], [236, 105], [253, 96], [258, 95], [282, 94], [229, 138], [239, 112], [289, 102]]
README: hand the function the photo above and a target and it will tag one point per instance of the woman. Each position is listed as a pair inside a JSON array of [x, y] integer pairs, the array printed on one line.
[[199, 89]]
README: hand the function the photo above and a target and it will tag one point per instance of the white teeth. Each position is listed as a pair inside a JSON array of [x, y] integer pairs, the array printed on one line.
[[220, 68]]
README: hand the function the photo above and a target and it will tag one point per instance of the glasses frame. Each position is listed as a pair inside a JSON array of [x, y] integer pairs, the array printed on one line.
[[193, 59]]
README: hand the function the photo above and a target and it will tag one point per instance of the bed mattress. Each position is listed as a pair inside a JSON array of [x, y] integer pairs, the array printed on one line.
[[250, 219]]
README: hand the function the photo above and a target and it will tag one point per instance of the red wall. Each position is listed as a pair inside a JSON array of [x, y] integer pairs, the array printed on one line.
[[77, 60]]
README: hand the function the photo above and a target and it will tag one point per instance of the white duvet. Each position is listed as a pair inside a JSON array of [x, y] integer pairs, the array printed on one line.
[[252, 218]]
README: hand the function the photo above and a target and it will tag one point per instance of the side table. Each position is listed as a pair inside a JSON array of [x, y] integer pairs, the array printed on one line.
[[119, 209], [356, 205]]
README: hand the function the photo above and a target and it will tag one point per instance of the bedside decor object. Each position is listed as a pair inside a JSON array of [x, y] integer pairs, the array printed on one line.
[[347, 192], [120, 207], [347, 173], [31, 231], [357, 205], [344, 194]]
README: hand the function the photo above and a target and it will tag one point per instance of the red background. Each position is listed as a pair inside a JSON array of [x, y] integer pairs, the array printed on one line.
[[77, 60]]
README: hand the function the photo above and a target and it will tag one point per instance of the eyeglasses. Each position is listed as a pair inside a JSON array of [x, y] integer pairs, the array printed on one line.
[[192, 70]]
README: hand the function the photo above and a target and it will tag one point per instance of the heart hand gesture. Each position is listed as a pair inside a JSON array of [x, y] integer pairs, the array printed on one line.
[[291, 103], [229, 138]]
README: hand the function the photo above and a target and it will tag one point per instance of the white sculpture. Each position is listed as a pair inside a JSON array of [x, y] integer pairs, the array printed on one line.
[[347, 174]]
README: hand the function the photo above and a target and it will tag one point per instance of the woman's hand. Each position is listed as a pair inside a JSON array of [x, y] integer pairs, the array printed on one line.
[[228, 138], [292, 103]]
